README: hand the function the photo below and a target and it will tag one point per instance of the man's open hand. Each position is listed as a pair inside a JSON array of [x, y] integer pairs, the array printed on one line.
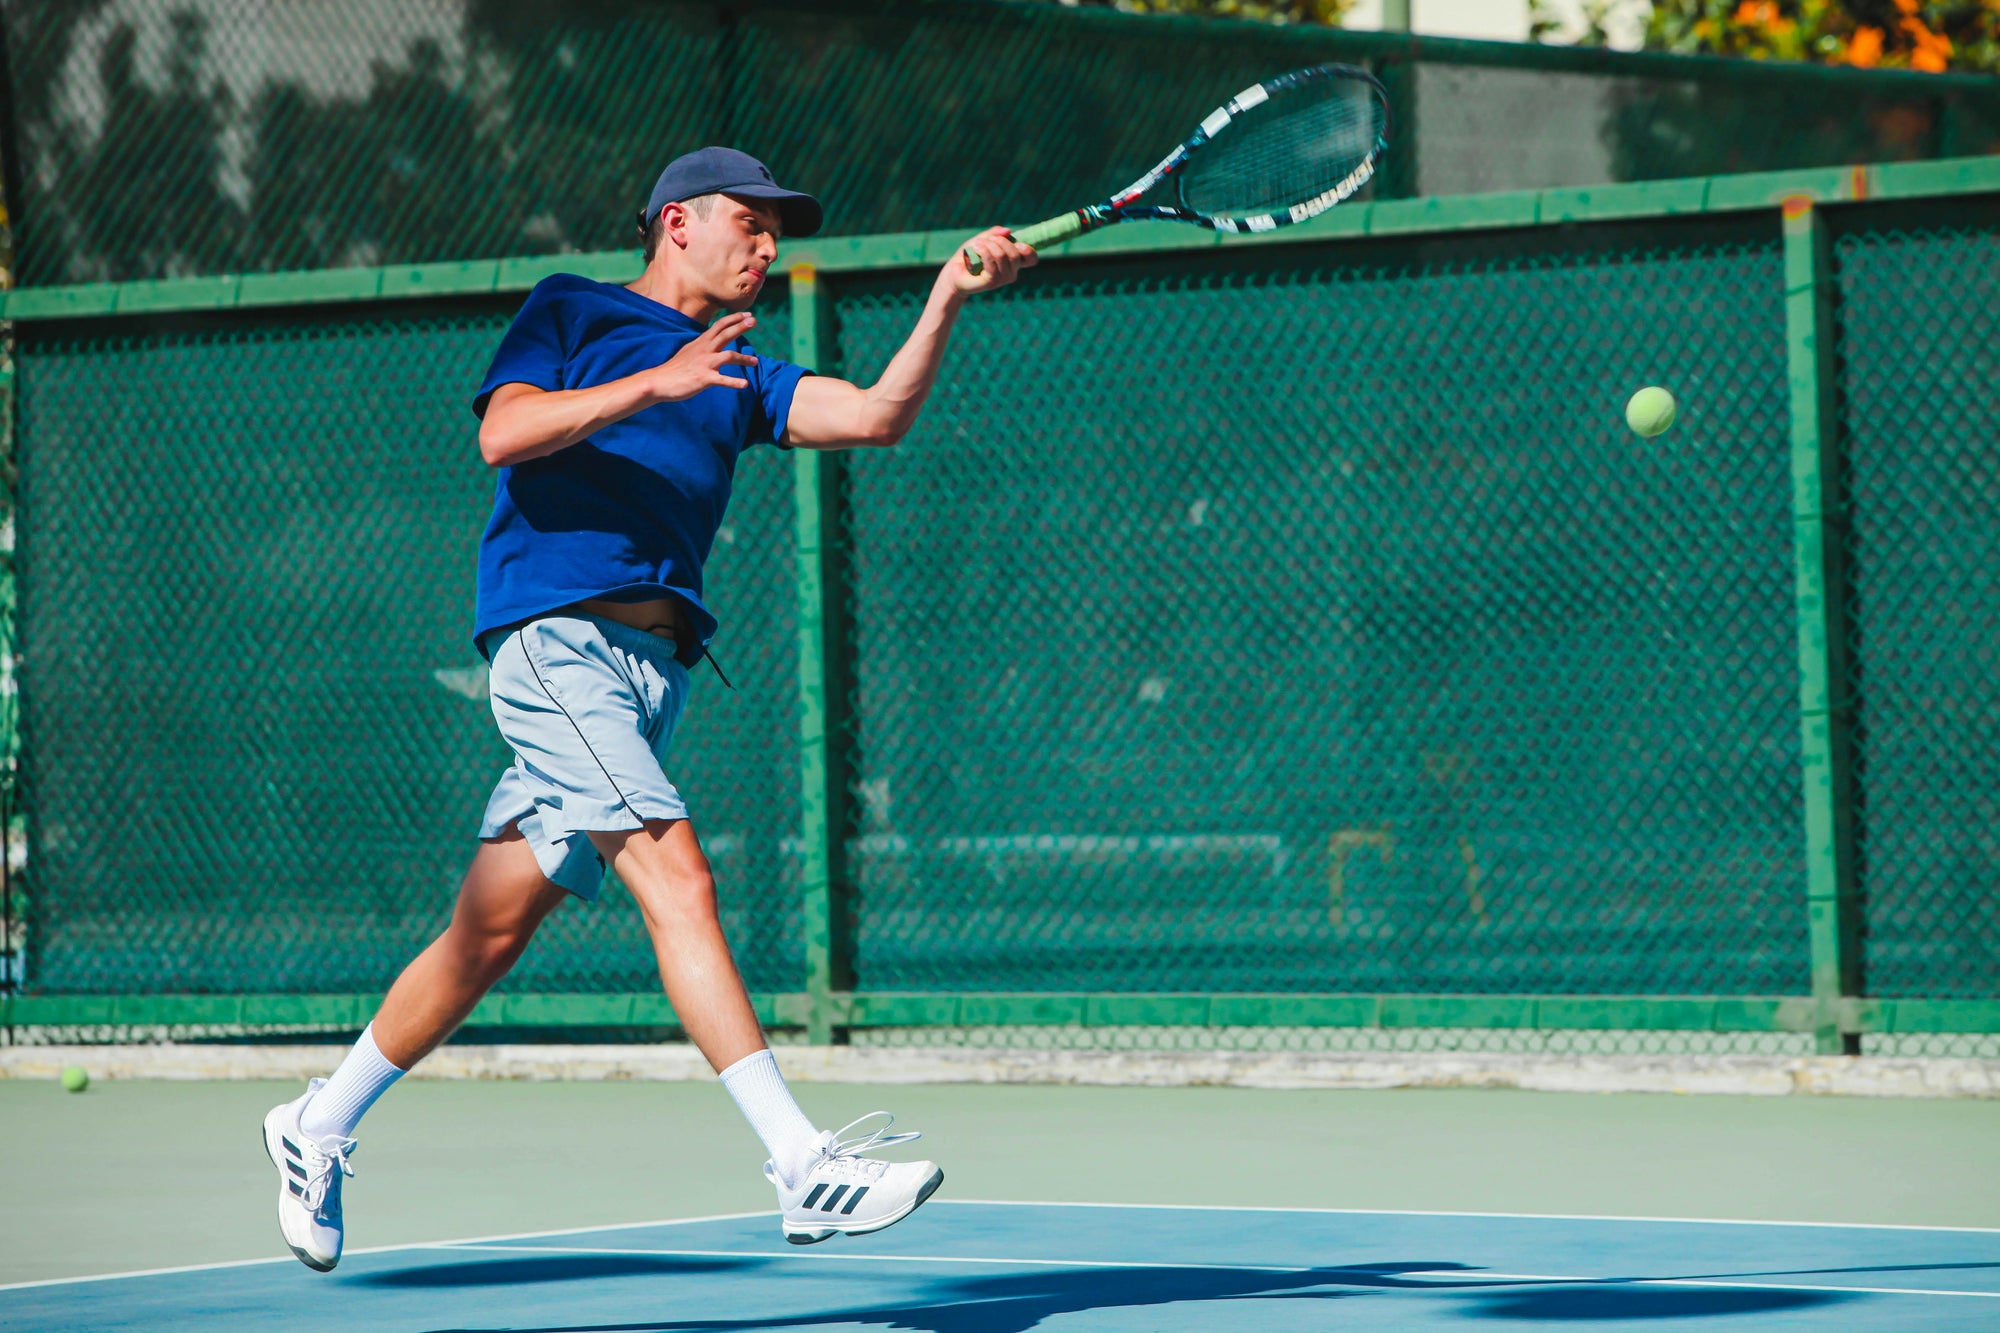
[[698, 365]]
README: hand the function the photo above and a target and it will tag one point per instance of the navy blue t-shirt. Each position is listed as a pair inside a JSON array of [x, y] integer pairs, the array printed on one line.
[[630, 513]]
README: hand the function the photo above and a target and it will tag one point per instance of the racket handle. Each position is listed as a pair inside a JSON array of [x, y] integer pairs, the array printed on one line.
[[1064, 228]]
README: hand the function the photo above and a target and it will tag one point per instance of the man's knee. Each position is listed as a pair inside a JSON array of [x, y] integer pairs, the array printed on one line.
[[681, 894], [665, 869], [663, 854]]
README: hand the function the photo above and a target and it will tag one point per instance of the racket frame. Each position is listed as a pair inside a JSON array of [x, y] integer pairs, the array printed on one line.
[[1123, 206]]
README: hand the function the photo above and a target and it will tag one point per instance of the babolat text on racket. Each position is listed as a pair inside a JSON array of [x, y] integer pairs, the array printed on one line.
[[1278, 152]]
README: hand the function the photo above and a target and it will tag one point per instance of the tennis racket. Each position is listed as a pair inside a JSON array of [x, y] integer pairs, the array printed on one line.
[[1278, 152]]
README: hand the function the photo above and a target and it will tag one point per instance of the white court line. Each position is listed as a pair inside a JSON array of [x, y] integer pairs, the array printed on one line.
[[1409, 1280], [1420, 1212], [141, 1272], [837, 1257], [379, 1249]]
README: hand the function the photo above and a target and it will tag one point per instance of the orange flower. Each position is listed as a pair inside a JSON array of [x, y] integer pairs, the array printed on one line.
[[1757, 11], [1930, 51], [1865, 51]]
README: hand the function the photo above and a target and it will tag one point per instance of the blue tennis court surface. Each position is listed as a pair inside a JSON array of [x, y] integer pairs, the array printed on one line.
[[959, 1267]]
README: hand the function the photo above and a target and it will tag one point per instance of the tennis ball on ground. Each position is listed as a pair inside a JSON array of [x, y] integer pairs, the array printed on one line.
[[76, 1078], [1651, 411]]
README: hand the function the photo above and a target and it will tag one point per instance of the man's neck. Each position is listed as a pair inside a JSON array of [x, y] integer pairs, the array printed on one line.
[[660, 283]]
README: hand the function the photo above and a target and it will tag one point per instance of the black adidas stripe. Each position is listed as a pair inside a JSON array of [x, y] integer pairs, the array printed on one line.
[[833, 1200]]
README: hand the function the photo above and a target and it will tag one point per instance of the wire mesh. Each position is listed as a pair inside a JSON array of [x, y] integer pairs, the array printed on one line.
[[1920, 350], [1933, 1045], [257, 733], [1297, 618], [162, 137], [1311, 623], [1345, 1041], [1618, 127]]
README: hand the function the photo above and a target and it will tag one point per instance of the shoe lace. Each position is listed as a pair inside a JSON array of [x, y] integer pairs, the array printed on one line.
[[847, 1152], [322, 1193]]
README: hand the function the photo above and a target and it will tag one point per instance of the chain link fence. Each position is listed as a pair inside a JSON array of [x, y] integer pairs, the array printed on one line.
[[1293, 619], [1306, 621], [257, 737], [151, 138], [1920, 352]]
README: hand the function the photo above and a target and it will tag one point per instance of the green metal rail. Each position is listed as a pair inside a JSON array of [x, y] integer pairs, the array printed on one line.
[[874, 254], [1836, 1012], [842, 1010]]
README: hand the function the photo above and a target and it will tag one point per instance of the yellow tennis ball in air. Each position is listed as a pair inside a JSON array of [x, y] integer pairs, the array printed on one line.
[[76, 1078], [1651, 411]]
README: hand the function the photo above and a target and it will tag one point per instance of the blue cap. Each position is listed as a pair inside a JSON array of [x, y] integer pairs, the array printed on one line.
[[726, 171]]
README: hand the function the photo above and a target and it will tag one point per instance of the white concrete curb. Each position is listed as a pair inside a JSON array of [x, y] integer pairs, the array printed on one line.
[[1870, 1076]]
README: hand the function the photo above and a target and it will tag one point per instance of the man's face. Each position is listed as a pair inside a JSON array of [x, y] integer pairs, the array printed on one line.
[[731, 249]]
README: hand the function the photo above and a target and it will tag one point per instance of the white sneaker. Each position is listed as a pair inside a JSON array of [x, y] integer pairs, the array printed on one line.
[[309, 1173], [845, 1191]]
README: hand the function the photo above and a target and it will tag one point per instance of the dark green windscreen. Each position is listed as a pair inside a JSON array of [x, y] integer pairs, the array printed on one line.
[[1920, 356], [260, 742], [1294, 618], [1310, 621]]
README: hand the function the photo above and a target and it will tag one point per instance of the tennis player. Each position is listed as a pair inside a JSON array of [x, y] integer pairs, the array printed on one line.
[[615, 416]]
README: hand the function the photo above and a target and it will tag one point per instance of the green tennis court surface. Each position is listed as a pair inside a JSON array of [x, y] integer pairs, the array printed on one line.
[[984, 1267], [1399, 1197]]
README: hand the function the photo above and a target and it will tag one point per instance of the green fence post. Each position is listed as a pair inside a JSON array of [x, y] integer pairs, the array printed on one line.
[[1947, 129], [13, 910], [824, 687], [1398, 178], [1825, 708]]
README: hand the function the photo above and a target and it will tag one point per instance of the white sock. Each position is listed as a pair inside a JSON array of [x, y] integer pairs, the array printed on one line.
[[761, 1094], [362, 1077]]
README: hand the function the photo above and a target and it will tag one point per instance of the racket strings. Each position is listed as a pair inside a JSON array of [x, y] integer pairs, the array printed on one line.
[[1295, 152]]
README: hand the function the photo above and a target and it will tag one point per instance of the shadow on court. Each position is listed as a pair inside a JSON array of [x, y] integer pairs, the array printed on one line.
[[1557, 1305], [551, 1268], [1015, 1303]]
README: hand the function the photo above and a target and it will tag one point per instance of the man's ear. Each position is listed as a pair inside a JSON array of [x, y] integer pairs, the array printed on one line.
[[674, 222]]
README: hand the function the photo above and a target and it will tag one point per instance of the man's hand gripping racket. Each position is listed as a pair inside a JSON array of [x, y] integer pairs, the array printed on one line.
[[993, 259], [1278, 152]]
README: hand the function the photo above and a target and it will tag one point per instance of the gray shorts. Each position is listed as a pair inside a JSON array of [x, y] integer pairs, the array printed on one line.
[[588, 706]]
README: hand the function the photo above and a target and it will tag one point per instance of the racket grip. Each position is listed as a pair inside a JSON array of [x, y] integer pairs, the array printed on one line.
[[1064, 228]]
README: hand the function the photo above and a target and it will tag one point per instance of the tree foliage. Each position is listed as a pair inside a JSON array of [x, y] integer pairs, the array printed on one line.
[[1928, 35]]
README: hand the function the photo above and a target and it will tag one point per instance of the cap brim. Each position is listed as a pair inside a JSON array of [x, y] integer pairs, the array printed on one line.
[[800, 213]]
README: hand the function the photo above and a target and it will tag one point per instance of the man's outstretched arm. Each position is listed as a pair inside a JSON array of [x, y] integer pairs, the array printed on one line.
[[833, 414], [524, 422]]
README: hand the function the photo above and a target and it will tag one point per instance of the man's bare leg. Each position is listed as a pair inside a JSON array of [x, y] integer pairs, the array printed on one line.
[[502, 901], [668, 874], [664, 867], [820, 1191]]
